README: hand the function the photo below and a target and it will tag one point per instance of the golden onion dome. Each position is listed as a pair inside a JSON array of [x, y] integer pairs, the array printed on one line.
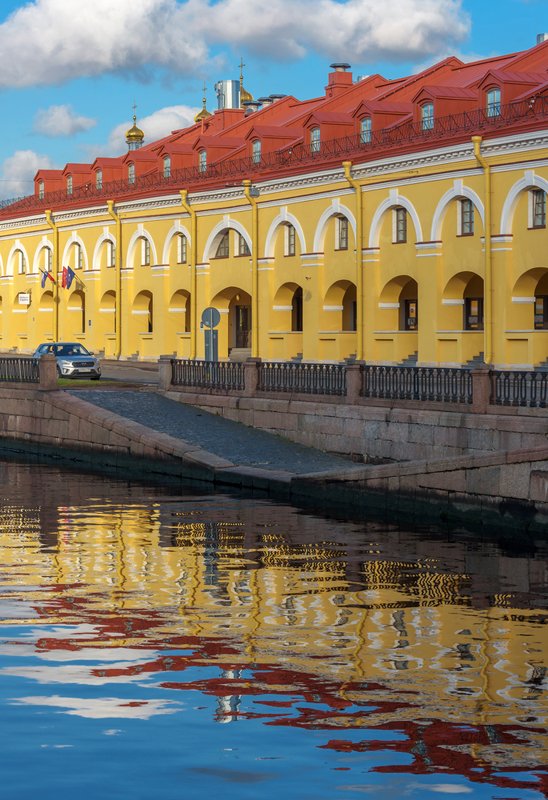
[[203, 114], [135, 135]]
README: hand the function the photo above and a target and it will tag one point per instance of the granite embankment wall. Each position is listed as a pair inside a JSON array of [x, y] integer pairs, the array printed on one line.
[[380, 431], [505, 488]]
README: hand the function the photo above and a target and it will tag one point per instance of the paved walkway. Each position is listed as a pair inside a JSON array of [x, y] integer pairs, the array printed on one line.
[[242, 445]]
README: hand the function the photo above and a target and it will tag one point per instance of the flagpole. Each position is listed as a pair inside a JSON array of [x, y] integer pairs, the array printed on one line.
[[53, 225]]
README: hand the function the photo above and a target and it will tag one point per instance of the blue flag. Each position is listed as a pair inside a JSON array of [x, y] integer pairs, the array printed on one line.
[[44, 278], [70, 277]]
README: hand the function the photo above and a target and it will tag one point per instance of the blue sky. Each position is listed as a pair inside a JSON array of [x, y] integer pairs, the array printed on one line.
[[72, 69]]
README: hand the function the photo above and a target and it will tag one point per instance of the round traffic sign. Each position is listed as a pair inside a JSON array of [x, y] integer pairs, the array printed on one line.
[[210, 317]]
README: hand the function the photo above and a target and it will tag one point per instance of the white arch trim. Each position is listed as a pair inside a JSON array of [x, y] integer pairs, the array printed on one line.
[[105, 237], [175, 229], [15, 247], [529, 181], [225, 223], [394, 199], [336, 209], [44, 245], [283, 218], [140, 234], [74, 239], [458, 190]]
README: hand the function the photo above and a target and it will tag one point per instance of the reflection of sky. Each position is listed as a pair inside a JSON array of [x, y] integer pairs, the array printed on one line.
[[337, 678]]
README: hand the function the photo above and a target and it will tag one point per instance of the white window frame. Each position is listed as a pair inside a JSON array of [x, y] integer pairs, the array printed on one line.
[[202, 160], [462, 223], [315, 140], [41, 190], [533, 195], [365, 130], [167, 167], [131, 173], [427, 116], [493, 102], [99, 179], [70, 184], [256, 149]]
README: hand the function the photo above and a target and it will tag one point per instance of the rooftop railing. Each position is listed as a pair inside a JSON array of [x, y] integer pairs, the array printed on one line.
[[359, 147]]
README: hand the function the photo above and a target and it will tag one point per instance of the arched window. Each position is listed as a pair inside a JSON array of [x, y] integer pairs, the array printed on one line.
[[493, 102], [21, 262], [78, 256], [243, 247], [256, 151], [466, 217], [202, 160], [537, 202], [365, 130], [167, 167], [290, 247], [69, 184], [315, 141], [145, 252], [223, 246], [41, 190], [342, 233], [399, 235], [181, 248], [111, 254], [131, 173], [427, 116], [99, 179]]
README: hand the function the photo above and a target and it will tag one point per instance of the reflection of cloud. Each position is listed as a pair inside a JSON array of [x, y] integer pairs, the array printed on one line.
[[104, 707], [82, 674], [442, 788]]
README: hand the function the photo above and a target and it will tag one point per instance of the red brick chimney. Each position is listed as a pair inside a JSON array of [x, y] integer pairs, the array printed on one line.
[[339, 80]]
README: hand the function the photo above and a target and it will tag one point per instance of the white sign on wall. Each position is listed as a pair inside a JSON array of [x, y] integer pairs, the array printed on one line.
[[24, 298]]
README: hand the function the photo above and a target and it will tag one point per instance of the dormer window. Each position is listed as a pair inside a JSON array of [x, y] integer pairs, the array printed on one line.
[[256, 151], [202, 160], [427, 116], [99, 179], [315, 140], [493, 102], [41, 190], [167, 167], [365, 130], [69, 184], [131, 173]]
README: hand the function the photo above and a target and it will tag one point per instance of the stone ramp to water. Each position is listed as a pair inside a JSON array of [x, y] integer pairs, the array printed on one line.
[[241, 445]]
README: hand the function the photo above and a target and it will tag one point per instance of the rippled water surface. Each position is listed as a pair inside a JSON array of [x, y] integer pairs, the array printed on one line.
[[159, 643]]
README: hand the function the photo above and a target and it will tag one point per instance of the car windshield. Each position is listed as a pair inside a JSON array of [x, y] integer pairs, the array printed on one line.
[[70, 350]]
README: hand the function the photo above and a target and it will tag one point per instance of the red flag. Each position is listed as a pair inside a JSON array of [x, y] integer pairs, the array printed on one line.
[[64, 278]]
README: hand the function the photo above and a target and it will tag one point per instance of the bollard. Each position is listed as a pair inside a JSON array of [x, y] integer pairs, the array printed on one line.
[[47, 370], [165, 373]]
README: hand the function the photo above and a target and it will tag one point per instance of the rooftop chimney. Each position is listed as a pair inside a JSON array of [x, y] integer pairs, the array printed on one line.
[[264, 101], [339, 79], [250, 106], [542, 37]]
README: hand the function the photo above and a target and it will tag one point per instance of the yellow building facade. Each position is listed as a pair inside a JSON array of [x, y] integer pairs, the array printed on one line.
[[433, 251]]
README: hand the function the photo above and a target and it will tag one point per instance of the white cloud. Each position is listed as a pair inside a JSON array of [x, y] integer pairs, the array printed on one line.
[[48, 41], [18, 171], [61, 121], [155, 126]]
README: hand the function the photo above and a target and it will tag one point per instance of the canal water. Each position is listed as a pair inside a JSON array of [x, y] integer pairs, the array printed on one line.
[[168, 643]]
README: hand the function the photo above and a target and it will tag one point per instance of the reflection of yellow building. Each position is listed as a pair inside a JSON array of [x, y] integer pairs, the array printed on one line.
[[393, 220], [397, 633]]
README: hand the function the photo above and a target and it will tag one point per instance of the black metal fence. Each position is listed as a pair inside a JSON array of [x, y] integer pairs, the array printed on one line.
[[291, 377], [436, 384], [19, 370], [208, 374], [519, 388]]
